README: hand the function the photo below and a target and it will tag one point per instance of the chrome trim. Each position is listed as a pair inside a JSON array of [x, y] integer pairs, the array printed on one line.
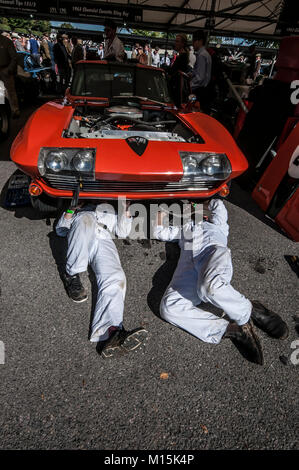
[[69, 183]]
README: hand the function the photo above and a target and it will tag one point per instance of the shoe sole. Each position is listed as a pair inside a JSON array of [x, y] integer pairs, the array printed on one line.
[[135, 341], [79, 301], [112, 352]]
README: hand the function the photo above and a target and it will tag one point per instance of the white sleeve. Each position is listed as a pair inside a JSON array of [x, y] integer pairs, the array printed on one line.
[[166, 234], [63, 226], [218, 212], [123, 226]]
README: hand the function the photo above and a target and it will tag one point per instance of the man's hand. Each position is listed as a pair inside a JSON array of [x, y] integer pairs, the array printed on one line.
[[160, 218], [68, 215]]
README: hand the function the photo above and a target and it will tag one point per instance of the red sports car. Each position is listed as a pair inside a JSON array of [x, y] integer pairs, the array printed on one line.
[[118, 133]]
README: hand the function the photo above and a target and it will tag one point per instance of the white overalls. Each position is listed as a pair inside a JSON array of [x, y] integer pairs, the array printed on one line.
[[203, 274], [90, 242]]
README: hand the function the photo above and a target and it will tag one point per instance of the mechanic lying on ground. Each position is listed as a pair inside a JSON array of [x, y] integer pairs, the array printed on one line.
[[203, 274], [90, 230]]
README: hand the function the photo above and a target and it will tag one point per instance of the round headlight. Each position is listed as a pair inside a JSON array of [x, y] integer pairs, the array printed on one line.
[[211, 165], [83, 161], [56, 161], [190, 165]]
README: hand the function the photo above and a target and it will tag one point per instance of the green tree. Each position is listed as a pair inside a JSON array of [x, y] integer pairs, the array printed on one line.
[[26, 25], [67, 25]]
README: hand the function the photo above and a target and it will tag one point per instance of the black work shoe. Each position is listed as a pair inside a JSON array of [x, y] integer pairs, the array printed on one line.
[[245, 339], [268, 321], [74, 288], [121, 341]]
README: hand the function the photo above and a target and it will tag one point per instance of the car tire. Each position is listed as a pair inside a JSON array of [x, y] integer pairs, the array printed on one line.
[[4, 122], [44, 205]]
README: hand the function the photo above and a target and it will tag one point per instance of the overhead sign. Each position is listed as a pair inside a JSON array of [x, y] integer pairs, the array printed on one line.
[[18, 6], [71, 10]]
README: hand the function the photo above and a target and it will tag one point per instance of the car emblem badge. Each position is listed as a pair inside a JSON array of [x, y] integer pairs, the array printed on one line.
[[138, 144]]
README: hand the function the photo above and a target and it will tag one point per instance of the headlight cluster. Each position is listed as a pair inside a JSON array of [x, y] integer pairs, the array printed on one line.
[[205, 165], [55, 160]]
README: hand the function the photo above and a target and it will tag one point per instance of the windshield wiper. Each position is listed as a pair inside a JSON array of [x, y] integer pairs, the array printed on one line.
[[143, 98]]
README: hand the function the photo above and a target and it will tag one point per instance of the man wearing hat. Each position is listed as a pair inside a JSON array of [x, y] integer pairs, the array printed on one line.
[[16, 39]]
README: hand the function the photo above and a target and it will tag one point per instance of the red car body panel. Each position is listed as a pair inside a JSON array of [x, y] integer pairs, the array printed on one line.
[[115, 160]]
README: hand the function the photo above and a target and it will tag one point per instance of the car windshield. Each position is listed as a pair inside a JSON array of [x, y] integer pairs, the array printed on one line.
[[109, 80]]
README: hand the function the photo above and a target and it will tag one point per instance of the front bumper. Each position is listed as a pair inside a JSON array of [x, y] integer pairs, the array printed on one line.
[[130, 190]]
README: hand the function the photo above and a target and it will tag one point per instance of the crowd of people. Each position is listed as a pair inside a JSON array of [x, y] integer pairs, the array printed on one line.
[[189, 68]]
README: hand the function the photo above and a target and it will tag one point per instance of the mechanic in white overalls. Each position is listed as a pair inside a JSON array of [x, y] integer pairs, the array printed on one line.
[[203, 274], [90, 231]]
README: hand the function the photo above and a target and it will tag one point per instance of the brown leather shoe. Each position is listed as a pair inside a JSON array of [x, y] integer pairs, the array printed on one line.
[[268, 321], [246, 340]]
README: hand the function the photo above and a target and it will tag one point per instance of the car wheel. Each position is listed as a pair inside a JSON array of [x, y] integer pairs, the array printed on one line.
[[4, 122], [44, 205]]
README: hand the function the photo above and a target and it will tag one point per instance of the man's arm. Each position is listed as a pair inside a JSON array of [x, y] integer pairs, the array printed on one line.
[[65, 222], [218, 215], [124, 222]]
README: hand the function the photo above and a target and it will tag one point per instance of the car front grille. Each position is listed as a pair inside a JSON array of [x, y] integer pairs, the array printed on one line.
[[69, 183]]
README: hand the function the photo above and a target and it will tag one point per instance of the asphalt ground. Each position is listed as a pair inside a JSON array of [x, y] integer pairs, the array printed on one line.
[[57, 393]]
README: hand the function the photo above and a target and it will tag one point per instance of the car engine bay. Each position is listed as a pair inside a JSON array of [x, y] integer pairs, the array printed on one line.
[[124, 121]]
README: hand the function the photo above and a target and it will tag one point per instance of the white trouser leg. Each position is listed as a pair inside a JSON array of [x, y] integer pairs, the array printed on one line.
[[179, 306], [81, 239], [215, 271], [111, 282]]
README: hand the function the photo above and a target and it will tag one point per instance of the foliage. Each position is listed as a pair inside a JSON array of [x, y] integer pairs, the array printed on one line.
[[4, 27], [67, 26], [152, 34], [39, 26]]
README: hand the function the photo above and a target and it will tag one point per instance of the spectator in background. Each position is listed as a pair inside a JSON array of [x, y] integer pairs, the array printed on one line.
[[148, 53], [114, 48], [178, 83], [16, 39], [141, 56], [101, 51], [62, 58], [77, 52], [192, 57], [45, 51], [8, 71], [34, 51], [251, 61], [156, 57], [67, 44], [181, 62], [165, 60], [201, 74], [135, 51], [258, 64]]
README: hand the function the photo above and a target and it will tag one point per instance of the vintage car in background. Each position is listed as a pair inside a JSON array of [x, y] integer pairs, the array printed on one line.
[[118, 133], [32, 79]]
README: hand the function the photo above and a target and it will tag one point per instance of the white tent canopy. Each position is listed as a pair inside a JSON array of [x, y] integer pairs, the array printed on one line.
[[240, 16]]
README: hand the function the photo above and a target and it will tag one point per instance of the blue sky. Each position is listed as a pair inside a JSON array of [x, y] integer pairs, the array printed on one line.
[[93, 27]]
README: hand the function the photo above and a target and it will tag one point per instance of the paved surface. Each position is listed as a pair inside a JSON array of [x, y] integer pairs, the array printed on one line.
[[57, 393]]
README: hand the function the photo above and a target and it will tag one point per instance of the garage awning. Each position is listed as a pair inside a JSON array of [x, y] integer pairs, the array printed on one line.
[[248, 18]]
